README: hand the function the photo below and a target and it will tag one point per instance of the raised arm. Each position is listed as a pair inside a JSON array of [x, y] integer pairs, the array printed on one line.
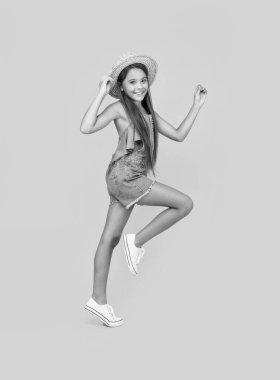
[[180, 133], [166, 129], [110, 113], [92, 122]]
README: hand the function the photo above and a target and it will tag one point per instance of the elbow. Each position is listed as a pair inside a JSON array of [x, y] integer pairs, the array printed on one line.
[[85, 131], [179, 139], [178, 136]]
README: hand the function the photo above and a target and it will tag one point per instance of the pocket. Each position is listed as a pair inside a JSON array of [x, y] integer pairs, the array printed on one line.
[[134, 161], [112, 175], [134, 166]]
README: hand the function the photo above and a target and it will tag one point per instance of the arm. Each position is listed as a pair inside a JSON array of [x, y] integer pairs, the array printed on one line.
[[166, 129], [180, 133], [91, 122], [90, 116], [187, 123]]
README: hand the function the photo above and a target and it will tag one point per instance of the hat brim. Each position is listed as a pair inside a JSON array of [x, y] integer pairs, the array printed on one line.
[[146, 60]]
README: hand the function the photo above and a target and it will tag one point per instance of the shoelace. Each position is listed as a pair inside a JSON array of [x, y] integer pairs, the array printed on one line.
[[140, 255], [111, 312]]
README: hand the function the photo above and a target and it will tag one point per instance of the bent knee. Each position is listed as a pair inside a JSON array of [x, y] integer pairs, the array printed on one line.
[[187, 205]]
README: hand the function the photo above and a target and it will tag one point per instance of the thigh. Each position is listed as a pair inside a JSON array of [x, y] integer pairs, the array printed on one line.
[[164, 195], [116, 219]]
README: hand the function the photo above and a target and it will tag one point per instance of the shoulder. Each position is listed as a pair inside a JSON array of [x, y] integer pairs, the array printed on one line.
[[121, 111], [117, 109], [120, 108], [114, 110]]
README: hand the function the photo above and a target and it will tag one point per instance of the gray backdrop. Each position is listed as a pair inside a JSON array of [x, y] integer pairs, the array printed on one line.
[[205, 304]]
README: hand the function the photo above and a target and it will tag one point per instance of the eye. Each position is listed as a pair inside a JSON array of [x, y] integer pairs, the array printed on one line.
[[133, 81]]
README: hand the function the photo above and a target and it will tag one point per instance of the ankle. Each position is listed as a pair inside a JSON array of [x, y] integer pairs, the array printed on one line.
[[101, 300], [137, 242]]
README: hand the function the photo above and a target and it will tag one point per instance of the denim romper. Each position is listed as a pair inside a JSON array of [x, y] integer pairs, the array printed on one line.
[[126, 175]]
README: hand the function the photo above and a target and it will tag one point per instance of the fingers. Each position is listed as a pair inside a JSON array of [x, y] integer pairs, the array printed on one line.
[[106, 82], [201, 89], [107, 78]]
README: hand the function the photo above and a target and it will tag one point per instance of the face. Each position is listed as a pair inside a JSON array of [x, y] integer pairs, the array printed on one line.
[[135, 85]]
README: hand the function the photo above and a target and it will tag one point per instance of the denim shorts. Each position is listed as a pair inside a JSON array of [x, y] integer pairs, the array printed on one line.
[[126, 178]]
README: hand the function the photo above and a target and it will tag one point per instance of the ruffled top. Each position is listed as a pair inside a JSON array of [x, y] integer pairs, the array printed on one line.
[[126, 140]]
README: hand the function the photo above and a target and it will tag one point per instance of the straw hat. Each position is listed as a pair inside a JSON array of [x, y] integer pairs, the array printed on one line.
[[127, 59]]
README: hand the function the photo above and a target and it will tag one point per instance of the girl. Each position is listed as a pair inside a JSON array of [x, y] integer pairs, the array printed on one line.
[[138, 125]]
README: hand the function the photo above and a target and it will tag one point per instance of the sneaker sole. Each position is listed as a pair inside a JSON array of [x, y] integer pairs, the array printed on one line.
[[128, 256], [102, 318]]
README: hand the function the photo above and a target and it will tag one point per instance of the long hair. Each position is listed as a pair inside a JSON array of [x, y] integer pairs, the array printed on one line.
[[138, 120]]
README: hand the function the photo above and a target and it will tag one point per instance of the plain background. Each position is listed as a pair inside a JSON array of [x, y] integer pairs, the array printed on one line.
[[205, 304]]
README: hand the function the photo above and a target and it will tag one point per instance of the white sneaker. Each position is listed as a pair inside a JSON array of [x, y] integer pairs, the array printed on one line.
[[133, 254], [104, 312]]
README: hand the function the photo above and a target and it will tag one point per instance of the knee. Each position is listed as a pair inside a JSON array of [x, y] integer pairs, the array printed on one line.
[[187, 205], [112, 241]]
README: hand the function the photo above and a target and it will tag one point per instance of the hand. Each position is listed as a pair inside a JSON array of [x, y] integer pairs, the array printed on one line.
[[200, 95], [105, 84]]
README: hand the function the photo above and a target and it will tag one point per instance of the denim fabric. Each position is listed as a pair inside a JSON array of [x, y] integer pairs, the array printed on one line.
[[126, 138], [126, 178]]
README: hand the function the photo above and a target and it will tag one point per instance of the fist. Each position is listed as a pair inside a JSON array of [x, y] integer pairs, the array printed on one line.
[[200, 95]]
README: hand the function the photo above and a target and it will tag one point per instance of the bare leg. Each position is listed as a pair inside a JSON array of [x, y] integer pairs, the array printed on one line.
[[179, 205], [117, 218]]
